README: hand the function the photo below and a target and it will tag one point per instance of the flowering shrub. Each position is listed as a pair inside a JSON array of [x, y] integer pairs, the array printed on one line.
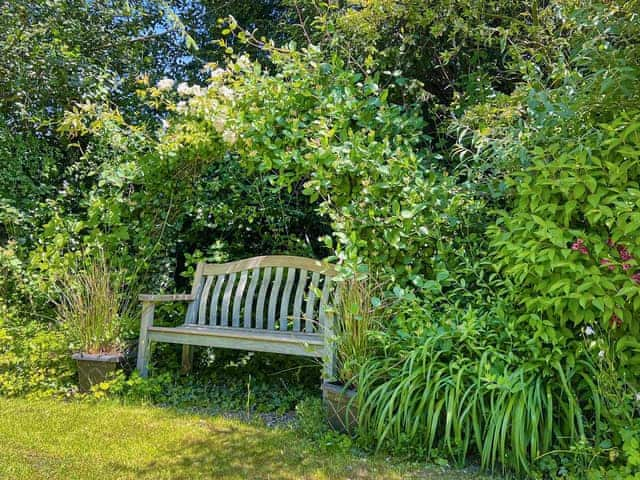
[[573, 238], [316, 128]]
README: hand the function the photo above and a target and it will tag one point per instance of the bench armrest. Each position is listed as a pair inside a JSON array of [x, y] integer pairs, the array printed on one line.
[[184, 297]]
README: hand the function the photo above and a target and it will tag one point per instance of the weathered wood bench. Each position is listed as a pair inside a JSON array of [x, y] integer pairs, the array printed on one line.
[[278, 304]]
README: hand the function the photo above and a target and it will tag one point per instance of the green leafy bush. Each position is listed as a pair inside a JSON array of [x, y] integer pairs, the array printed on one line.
[[34, 357], [465, 384], [314, 127], [571, 240]]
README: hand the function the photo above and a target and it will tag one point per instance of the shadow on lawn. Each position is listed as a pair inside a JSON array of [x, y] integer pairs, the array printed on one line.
[[247, 452]]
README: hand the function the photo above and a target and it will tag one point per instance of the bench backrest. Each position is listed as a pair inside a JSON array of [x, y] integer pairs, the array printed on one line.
[[279, 293]]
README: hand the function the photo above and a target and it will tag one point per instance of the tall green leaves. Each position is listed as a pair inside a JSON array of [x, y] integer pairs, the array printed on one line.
[[462, 394]]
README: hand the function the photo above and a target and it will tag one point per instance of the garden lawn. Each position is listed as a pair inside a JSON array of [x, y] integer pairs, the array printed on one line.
[[83, 440]]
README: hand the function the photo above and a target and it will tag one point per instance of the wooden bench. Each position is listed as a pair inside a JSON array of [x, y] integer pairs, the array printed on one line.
[[278, 304]]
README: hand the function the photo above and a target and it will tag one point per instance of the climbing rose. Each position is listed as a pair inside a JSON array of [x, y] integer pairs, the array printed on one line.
[[217, 73], [626, 266]]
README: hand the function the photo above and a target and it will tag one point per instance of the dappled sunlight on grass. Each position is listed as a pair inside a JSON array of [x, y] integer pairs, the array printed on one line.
[[58, 440]]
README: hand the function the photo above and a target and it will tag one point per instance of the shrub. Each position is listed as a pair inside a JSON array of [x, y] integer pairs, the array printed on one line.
[[571, 241], [316, 128], [34, 357]]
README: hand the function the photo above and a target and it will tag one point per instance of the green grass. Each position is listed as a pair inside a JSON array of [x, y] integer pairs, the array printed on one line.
[[49, 439]]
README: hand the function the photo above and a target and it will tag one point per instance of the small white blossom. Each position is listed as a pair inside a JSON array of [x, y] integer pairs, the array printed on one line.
[[230, 137], [165, 84], [219, 123], [181, 106], [218, 73], [589, 331], [638, 397], [226, 92], [601, 353], [197, 91], [165, 124], [183, 88], [243, 62]]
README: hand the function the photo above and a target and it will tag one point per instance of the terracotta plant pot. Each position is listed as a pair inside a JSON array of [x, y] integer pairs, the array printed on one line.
[[340, 403], [94, 369]]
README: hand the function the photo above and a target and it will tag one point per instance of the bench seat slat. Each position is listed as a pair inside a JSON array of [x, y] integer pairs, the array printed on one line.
[[237, 302], [273, 299], [241, 339], [192, 329], [311, 303], [226, 299], [260, 311], [286, 297], [215, 300], [297, 303], [248, 303]]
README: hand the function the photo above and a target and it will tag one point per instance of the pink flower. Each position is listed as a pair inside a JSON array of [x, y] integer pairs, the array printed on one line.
[[608, 263], [615, 321], [578, 245], [626, 266], [610, 243], [636, 277], [624, 253]]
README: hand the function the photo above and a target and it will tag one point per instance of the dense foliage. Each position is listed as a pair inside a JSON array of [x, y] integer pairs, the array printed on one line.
[[478, 159]]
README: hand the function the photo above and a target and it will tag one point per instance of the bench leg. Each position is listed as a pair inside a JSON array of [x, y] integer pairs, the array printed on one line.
[[187, 359], [144, 345]]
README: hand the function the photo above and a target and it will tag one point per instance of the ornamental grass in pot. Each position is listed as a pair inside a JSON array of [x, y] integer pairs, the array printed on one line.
[[357, 313], [92, 307]]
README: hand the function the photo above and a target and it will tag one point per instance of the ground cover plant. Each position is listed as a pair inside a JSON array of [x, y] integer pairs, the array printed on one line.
[[476, 159]]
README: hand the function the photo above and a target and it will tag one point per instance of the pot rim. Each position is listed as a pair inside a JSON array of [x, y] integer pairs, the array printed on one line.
[[98, 357], [339, 388]]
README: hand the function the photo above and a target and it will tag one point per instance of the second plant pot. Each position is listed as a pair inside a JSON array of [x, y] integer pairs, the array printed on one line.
[[95, 368], [340, 404]]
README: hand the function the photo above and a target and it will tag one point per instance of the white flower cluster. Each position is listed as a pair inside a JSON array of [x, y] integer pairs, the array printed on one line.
[[194, 90], [165, 84], [218, 73], [230, 137], [219, 123], [181, 107], [244, 63], [226, 93]]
